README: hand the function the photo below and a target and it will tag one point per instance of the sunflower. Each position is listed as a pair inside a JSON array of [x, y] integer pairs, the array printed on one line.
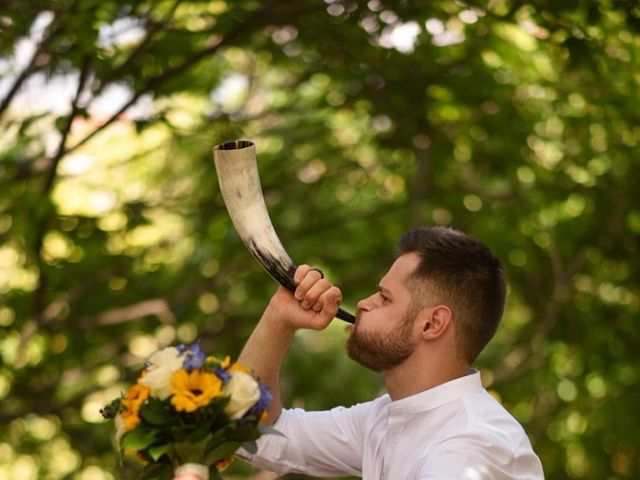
[[131, 420], [131, 404], [195, 389], [238, 367]]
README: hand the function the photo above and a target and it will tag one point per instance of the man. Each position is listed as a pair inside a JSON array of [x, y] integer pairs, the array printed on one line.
[[436, 308]]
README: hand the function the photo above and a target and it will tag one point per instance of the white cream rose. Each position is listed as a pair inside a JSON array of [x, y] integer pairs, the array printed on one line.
[[244, 392], [161, 366]]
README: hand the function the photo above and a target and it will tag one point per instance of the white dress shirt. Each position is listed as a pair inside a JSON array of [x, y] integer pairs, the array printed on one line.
[[455, 431]]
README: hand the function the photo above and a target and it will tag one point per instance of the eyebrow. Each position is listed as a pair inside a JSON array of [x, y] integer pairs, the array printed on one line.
[[384, 290]]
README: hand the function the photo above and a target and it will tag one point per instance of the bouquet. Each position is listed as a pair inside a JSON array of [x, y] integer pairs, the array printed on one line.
[[187, 413]]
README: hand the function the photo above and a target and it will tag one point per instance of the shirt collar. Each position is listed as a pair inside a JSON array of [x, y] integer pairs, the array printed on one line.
[[439, 395]]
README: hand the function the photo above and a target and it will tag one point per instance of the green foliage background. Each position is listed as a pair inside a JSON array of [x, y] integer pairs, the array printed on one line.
[[517, 122]]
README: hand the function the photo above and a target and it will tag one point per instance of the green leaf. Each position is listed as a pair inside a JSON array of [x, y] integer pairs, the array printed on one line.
[[218, 404], [157, 451], [197, 434], [215, 440], [216, 418], [138, 438], [156, 412], [222, 451], [191, 451], [156, 471], [251, 447], [243, 433], [214, 474]]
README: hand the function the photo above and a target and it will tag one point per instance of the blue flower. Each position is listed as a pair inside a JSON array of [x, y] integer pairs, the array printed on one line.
[[263, 401], [223, 374], [194, 357]]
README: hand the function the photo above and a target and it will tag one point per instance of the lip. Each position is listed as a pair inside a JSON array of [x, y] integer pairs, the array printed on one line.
[[359, 315], [354, 326]]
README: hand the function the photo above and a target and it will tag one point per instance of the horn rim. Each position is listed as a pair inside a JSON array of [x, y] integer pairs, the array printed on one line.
[[234, 145]]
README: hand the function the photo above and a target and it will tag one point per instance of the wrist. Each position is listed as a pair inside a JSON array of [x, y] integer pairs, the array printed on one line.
[[276, 321]]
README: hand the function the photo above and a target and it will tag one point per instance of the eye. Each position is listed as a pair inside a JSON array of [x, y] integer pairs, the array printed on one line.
[[384, 299]]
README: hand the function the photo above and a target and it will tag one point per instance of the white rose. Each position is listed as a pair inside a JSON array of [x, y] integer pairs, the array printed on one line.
[[244, 392], [162, 365]]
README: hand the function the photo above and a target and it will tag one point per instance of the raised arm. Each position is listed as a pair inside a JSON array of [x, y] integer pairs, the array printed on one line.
[[314, 305]]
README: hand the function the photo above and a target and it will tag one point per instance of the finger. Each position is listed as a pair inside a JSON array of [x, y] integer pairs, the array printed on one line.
[[319, 271], [301, 271], [330, 301], [318, 288], [306, 282], [316, 307], [333, 297]]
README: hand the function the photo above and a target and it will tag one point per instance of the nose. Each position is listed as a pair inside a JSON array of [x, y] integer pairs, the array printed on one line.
[[360, 304], [364, 304]]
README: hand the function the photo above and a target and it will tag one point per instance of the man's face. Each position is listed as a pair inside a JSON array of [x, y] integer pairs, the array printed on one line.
[[382, 337]]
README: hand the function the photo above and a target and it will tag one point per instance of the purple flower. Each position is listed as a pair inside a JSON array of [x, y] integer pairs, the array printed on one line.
[[222, 374], [194, 357], [263, 401]]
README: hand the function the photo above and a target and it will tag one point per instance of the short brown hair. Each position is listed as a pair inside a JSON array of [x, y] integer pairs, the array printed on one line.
[[461, 272]]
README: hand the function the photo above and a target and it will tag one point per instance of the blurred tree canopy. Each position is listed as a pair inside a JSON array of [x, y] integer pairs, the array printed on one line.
[[517, 122]]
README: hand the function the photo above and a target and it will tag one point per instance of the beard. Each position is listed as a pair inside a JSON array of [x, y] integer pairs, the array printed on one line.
[[380, 352]]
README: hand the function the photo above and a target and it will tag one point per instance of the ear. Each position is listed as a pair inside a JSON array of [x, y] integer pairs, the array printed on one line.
[[435, 322]]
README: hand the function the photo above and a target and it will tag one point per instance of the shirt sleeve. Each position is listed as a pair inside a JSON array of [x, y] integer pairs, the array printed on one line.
[[460, 460], [320, 444]]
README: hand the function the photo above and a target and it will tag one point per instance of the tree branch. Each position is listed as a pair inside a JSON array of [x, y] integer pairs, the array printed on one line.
[[55, 160], [157, 307], [157, 81], [31, 68]]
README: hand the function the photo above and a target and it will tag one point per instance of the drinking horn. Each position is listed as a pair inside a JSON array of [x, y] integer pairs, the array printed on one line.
[[242, 193]]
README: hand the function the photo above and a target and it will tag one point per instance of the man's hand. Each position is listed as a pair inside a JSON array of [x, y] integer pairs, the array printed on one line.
[[313, 305]]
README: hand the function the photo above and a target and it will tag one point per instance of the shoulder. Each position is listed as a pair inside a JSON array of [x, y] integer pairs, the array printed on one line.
[[488, 418], [485, 442], [469, 459]]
